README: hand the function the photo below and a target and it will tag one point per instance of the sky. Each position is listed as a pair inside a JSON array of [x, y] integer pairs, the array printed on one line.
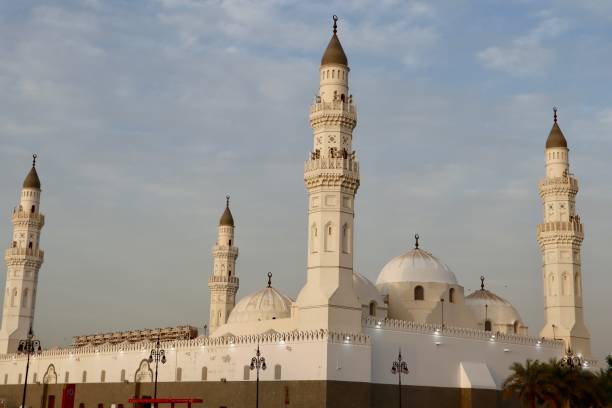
[[145, 114]]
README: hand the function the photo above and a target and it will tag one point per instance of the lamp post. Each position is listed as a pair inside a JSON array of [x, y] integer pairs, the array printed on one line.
[[28, 347], [258, 363], [157, 354], [571, 360], [442, 302], [399, 367]]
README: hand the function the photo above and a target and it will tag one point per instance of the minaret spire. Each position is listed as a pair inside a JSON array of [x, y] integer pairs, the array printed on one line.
[[223, 283], [331, 175], [560, 239], [23, 261]]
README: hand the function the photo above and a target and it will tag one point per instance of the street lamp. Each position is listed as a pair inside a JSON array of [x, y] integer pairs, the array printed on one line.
[[157, 354], [28, 347], [258, 362], [571, 360], [399, 367]]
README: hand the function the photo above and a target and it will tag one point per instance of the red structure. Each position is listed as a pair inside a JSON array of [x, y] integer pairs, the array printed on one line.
[[154, 401]]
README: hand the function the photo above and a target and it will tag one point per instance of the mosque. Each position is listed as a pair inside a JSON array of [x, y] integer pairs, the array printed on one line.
[[335, 343]]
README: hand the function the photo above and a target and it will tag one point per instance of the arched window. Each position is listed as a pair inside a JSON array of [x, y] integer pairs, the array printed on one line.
[[419, 293], [246, 373], [277, 372], [346, 238], [487, 325], [342, 98], [14, 297], [451, 295], [204, 373], [33, 209], [329, 232], [564, 284], [372, 308], [26, 294], [313, 238], [551, 284], [515, 326], [103, 376], [30, 245]]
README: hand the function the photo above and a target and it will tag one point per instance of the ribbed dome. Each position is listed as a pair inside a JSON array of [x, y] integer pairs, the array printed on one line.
[[32, 180], [415, 265], [555, 137], [334, 54], [365, 290], [499, 310], [226, 218], [266, 304]]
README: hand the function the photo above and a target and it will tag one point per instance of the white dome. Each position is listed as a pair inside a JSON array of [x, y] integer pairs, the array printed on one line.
[[415, 265], [365, 290], [499, 310], [266, 304]]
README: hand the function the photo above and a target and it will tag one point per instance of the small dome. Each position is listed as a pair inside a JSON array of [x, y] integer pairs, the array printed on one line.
[[365, 290], [415, 265], [334, 54], [266, 304], [499, 310], [32, 180], [226, 219], [556, 138]]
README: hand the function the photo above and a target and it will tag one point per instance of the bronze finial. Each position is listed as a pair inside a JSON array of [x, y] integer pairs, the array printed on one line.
[[269, 279], [335, 17], [227, 197], [555, 109], [416, 241], [482, 282], [34, 156]]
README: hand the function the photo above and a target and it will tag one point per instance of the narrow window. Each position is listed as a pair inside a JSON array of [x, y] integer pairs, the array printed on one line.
[[342, 97], [103, 376], [451, 295], [34, 378], [30, 245], [122, 375], [488, 325], [277, 372], [67, 377], [247, 373], [24, 303], [419, 293], [14, 244], [84, 380], [313, 238], [515, 326], [230, 273], [179, 374], [372, 308], [33, 209], [204, 373], [230, 242], [19, 379], [5, 379], [14, 297]]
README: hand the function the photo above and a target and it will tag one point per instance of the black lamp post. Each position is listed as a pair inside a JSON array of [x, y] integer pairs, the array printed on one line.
[[157, 354], [28, 347], [571, 360], [399, 367], [258, 363]]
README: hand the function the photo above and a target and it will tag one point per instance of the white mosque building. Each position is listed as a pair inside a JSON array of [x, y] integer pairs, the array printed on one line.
[[334, 344]]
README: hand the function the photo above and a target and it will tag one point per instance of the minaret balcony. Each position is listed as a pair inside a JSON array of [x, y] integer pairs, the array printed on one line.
[[220, 282], [331, 165], [339, 106], [24, 252], [560, 183], [343, 112], [21, 216], [556, 227]]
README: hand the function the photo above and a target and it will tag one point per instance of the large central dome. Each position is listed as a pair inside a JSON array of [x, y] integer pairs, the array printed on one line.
[[415, 265]]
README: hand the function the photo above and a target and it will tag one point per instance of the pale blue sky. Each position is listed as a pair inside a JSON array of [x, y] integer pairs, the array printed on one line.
[[144, 114]]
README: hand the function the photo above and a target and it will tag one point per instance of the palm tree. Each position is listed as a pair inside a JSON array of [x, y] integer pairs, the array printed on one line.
[[532, 383]]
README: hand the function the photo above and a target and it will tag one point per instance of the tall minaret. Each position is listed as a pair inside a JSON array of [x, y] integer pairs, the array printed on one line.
[[223, 283], [332, 177], [23, 260], [560, 238]]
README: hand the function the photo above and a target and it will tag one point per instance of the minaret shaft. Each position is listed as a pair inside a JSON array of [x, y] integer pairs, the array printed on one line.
[[23, 261], [223, 283], [560, 238], [331, 175]]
